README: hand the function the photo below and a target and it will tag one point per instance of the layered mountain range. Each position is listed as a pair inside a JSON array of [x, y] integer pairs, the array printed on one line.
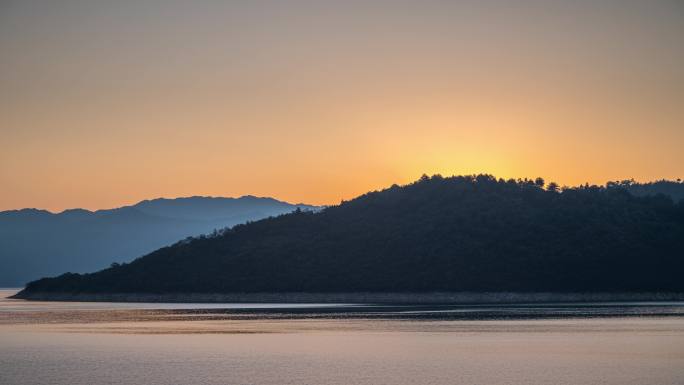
[[37, 243]]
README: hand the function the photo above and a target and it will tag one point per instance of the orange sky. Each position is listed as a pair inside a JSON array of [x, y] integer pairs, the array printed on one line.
[[107, 104]]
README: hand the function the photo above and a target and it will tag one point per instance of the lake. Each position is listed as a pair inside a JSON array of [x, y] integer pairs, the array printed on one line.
[[137, 343]]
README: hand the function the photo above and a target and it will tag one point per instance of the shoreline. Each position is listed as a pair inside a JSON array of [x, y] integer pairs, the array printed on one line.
[[356, 297]]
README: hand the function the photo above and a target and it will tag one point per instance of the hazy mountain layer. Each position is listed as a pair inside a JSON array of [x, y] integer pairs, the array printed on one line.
[[35, 243]]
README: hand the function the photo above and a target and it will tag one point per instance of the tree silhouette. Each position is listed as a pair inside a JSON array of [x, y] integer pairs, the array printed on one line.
[[462, 233]]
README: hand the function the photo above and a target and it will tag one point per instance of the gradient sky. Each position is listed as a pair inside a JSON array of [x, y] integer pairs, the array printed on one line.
[[108, 103]]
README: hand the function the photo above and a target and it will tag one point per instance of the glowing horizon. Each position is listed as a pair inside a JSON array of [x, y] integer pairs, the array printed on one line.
[[109, 104]]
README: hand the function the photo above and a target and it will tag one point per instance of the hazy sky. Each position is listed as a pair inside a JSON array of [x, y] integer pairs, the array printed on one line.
[[107, 103]]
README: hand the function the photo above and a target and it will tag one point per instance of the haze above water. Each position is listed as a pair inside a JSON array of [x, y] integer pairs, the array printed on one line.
[[104, 343]]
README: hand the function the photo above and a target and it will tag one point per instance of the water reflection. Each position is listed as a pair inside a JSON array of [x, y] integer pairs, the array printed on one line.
[[33, 312], [573, 344]]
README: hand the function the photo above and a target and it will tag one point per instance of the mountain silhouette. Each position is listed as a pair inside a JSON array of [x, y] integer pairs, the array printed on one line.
[[463, 233], [35, 243]]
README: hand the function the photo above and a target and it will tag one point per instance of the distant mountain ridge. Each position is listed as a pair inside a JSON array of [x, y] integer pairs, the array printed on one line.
[[470, 233], [673, 189], [36, 242]]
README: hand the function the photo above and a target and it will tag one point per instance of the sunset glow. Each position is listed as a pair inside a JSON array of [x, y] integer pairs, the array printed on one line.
[[317, 102]]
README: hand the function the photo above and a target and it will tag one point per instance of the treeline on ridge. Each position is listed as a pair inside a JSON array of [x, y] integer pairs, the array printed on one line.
[[461, 233]]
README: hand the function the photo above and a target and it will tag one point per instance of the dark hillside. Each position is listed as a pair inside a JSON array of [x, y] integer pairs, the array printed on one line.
[[464, 233]]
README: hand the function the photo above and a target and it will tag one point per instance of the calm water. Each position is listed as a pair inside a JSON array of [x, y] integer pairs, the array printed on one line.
[[103, 343]]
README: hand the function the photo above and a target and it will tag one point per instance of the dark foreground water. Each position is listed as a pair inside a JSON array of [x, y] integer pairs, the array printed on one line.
[[104, 343]]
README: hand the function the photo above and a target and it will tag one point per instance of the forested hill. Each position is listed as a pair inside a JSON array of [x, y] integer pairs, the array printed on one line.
[[464, 233], [674, 189]]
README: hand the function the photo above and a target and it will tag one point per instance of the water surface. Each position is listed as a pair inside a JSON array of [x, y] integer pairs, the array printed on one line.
[[106, 343]]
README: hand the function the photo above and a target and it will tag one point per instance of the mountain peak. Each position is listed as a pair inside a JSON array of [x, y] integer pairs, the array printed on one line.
[[80, 240]]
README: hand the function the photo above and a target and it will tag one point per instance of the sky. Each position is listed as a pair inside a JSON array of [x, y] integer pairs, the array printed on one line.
[[104, 104]]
